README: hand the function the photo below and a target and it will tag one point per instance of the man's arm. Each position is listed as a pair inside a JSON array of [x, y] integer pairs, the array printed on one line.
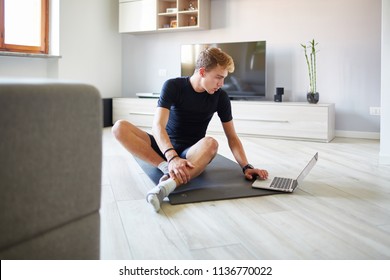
[[159, 132], [239, 153], [178, 167], [235, 144]]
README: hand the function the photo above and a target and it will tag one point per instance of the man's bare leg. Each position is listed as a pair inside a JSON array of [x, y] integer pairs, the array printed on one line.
[[136, 141], [200, 155]]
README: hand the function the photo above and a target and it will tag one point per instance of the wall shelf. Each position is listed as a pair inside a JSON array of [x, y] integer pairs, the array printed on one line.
[[162, 15]]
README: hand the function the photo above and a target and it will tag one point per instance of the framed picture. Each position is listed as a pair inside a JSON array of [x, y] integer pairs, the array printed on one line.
[[173, 23]]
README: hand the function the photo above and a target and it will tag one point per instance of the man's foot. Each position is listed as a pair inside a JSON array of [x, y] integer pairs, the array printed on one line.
[[153, 200], [156, 195]]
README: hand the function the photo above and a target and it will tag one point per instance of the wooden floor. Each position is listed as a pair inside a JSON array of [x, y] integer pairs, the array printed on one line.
[[342, 211]]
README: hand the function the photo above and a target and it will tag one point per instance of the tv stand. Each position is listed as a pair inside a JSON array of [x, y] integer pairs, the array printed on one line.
[[148, 94], [286, 120], [247, 98]]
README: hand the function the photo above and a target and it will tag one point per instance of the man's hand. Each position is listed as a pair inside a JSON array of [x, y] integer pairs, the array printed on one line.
[[179, 169], [251, 174]]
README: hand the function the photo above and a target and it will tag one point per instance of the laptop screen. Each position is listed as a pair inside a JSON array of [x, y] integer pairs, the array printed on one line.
[[307, 169]]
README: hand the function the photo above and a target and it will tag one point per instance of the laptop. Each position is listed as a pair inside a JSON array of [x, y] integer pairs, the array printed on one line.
[[285, 184]]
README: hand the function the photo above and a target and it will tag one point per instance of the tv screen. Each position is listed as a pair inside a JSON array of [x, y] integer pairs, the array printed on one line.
[[248, 81]]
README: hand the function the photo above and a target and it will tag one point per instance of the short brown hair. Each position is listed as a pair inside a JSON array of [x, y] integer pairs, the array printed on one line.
[[212, 57]]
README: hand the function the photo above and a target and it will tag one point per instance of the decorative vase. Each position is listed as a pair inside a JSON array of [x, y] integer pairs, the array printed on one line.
[[313, 98]]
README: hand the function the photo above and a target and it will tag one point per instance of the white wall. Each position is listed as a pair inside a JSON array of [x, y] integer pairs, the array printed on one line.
[[349, 36], [385, 89], [89, 44], [21, 67]]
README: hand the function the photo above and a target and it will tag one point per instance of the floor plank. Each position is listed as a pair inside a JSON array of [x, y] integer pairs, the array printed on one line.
[[114, 244], [150, 235]]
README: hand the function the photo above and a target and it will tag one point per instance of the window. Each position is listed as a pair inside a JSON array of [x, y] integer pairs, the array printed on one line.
[[24, 26]]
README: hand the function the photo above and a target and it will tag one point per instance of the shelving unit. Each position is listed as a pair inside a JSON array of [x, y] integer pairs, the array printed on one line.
[[140, 16], [166, 13], [182, 14]]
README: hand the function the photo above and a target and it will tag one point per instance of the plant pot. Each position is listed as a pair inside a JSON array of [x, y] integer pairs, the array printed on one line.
[[313, 98]]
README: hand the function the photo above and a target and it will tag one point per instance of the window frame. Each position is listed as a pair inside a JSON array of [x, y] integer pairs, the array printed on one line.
[[44, 46]]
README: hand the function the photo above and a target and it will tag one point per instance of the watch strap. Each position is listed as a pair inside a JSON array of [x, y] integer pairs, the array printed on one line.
[[248, 166]]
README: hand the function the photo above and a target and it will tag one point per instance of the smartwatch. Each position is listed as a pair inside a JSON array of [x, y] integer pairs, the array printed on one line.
[[248, 166]]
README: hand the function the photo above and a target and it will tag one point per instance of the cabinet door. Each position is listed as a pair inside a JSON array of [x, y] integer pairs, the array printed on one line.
[[137, 15], [138, 111]]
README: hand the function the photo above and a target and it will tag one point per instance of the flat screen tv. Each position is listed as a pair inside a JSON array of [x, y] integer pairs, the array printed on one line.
[[248, 81]]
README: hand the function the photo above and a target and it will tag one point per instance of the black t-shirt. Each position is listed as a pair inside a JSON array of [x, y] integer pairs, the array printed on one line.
[[191, 111]]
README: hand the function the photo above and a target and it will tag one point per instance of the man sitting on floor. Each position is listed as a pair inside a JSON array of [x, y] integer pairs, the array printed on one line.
[[178, 146]]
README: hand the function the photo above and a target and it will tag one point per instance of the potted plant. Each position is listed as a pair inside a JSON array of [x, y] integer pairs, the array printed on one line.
[[312, 96]]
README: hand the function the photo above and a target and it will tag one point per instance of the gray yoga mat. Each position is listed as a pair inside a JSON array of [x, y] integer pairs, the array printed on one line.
[[222, 179]]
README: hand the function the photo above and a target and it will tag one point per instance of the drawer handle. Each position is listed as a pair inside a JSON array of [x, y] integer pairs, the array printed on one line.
[[141, 113], [260, 120]]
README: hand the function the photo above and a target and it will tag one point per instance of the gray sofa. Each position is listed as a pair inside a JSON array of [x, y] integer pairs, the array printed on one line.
[[50, 170]]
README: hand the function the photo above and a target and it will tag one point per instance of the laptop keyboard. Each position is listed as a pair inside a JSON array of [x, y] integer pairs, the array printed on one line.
[[281, 183]]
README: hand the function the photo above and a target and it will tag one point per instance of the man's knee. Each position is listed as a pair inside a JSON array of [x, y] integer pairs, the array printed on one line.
[[119, 128], [211, 145]]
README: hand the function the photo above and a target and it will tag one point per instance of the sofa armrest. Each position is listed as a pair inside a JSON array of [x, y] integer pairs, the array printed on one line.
[[50, 158]]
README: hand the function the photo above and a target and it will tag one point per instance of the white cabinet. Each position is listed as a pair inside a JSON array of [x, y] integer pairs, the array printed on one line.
[[137, 15], [138, 111], [163, 15], [290, 120]]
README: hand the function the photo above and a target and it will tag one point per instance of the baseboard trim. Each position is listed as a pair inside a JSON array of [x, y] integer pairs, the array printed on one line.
[[357, 134]]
